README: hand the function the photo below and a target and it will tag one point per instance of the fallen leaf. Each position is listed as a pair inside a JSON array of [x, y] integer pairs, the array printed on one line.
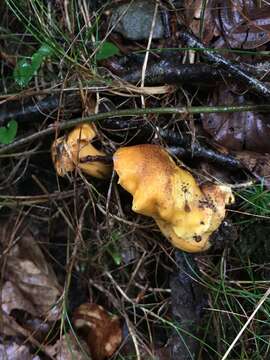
[[237, 131], [70, 348], [200, 18], [257, 164], [243, 23], [13, 351], [10, 327], [27, 275], [102, 333], [13, 298]]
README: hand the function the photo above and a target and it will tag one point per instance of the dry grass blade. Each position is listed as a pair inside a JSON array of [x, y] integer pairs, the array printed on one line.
[[257, 308]]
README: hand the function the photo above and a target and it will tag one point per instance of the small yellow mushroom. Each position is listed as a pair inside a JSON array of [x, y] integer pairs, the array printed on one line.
[[68, 152], [185, 213]]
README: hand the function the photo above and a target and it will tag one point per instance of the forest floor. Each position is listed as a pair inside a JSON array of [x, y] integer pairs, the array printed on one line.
[[83, 275]]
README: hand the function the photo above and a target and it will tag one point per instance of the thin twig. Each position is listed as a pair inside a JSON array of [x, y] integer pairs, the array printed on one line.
[[147, 51], [131, 113]]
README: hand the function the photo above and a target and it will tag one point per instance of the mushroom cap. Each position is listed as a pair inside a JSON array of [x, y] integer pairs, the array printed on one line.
[[67, 152], [185, 214], [82, 132]]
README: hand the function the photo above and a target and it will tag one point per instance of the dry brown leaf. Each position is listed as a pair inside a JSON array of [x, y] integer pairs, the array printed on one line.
[[13, 351], [237, 131], [70, 348], [29, 281], [257, 164], [13, 298], [102, 333], [9, 326], [200, 18], [243, 23]]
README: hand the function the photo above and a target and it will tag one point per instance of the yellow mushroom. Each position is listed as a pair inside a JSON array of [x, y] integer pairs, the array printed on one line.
[[68, 152], [185, 213]]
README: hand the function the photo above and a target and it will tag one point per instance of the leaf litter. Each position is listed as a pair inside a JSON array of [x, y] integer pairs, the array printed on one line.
[[72, 247]]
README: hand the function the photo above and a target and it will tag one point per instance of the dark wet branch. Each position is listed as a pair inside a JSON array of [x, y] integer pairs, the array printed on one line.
[[32, 110], [180, 146], [221, 63], [185, 149], [201, 152], [170, 72]]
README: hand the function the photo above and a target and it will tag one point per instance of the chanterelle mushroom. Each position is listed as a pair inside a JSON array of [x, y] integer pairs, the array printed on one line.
[[67, 152], [185, 213]]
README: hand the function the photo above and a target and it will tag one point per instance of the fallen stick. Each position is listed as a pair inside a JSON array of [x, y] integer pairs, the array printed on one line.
[[221, 63]]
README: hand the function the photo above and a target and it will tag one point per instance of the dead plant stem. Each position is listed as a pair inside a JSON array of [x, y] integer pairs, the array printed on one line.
[[129, 113]]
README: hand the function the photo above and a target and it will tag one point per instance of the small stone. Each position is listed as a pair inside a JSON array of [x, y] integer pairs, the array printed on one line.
[[136, 20]]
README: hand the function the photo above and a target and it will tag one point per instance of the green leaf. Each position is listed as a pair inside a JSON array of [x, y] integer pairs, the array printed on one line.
[[9, 132], [106, 50], [26, 69], [23, 73], [116, 256], [45, 50], [113, 248]]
